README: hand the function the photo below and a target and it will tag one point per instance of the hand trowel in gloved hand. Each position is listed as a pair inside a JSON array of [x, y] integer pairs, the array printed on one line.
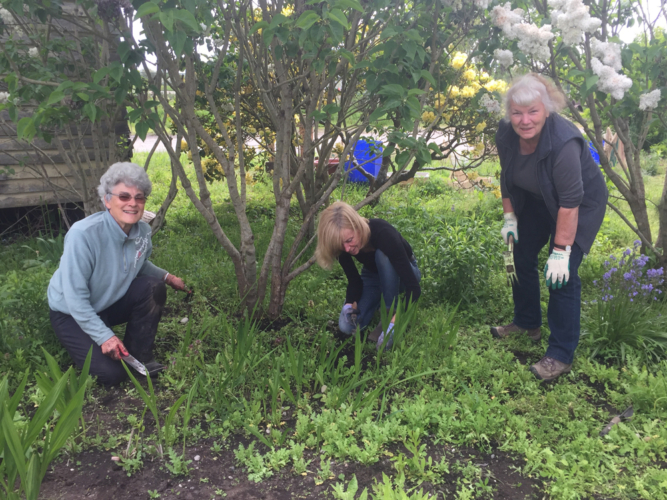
[[508, 257]]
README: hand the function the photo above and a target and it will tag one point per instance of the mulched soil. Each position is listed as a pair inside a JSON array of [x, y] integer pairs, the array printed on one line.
[[92, 475], [99, 478]]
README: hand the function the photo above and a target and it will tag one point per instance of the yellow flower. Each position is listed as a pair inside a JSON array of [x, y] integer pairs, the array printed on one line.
[[470, 74], [428, 116], [439, 100], [484, 76], [475, 85], [184, 145], [454, 91], [468, 92], [458, 60], [496, 86], [480, 127], [287, 11]]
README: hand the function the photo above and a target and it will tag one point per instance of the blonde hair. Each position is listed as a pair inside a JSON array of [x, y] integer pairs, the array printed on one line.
[[333, 220], [528, 88]]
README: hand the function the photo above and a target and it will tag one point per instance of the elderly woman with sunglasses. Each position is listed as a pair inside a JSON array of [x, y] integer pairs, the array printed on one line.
[[105, 279]]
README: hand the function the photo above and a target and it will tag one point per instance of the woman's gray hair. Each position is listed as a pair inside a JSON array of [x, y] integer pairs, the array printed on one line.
[[532, 87], [129, 174]]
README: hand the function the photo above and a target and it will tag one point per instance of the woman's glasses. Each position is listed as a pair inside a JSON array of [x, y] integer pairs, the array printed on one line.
[[125, 197]]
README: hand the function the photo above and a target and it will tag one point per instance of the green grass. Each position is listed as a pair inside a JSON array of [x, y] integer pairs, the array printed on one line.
[[342, 402]]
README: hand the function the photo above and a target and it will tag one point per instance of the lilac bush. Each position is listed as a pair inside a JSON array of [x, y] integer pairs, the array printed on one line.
[[627, 276]]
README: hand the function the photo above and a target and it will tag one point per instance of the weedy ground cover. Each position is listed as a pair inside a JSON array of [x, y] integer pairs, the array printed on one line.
[[294, 409]]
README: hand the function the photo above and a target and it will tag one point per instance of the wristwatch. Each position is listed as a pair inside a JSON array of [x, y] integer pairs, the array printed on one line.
[[567, 248]]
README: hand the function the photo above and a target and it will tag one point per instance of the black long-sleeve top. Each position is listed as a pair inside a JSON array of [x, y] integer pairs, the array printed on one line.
[[384, 237]]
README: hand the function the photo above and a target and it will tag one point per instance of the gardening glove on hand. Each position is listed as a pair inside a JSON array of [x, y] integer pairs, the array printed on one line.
[[174, 282], [114, 348], [390, 334], [557, 270], [511, 226], [351, 313]]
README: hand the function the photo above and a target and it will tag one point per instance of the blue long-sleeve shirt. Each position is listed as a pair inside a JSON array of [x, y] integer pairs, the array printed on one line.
[[96, 269]]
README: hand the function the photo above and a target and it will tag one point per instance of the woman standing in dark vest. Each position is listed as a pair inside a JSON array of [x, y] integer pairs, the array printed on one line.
[[553, 192]]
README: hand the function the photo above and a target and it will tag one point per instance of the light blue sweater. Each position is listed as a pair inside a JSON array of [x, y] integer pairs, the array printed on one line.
[[96, 269]]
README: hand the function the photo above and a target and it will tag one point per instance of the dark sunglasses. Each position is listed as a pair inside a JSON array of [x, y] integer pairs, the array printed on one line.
[[125, 197]]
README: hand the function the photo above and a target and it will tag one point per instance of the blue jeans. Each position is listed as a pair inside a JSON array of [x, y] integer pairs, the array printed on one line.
[[385, 283], [536, 228]]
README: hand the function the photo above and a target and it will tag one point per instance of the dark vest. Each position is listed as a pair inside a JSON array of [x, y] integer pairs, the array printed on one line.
[[556, 132]]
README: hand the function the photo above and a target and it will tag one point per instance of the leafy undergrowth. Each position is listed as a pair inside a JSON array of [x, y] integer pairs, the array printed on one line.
[[291, 409]]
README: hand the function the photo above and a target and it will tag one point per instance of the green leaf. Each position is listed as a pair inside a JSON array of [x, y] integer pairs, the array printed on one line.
[[428, 76], [45, 410], [13, 443], [347, 55], [392, 89], [67, 421], [377, 114], [167, 19], [56, 96], [116, 71], [91, 111], [338, 16], [590, 81], [415, 92], [277, 20], [351, 4], [185, 17], [307, 19], [146, 9], [101, 73], [142, 128], [258, 26], [389, 150], [413, 104], [25, 128]]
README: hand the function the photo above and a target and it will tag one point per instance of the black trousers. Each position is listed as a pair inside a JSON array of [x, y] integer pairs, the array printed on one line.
[[141, 308]]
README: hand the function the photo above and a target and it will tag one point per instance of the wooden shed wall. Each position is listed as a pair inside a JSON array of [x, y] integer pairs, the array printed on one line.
[[41, 175]]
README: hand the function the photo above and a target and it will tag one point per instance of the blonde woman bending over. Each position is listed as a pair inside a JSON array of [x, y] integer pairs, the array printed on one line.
[[388, 268]]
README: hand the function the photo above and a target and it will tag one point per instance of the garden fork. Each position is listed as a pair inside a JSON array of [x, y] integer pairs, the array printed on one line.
[[508, 257]]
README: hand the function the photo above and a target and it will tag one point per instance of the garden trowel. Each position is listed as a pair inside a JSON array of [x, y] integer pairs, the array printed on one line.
[[132, 361], [508, 257], [623, 416]]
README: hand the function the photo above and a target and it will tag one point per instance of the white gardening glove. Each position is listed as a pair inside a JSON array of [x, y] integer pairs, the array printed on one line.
[[557, 270], [511, 226]]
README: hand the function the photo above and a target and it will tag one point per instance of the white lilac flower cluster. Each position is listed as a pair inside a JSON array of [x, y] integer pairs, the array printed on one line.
[[609, 81], [33, 52], [609, 53], [649, 100], [4, 97], [504, 57], [573, 19], [533, 41], [491, 105]]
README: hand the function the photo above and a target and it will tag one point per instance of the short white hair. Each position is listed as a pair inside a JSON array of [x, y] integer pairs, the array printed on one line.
[[129, 174], [527, 89]]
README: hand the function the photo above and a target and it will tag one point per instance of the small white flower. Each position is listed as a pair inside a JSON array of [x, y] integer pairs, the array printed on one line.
[[504, 57], [4, 97], [33, 52], [492, 106], [7, 17], [650, 100], [505, 18]]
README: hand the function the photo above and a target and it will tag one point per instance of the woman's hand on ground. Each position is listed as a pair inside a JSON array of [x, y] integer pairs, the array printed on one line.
[[114, 348], [175, 282]]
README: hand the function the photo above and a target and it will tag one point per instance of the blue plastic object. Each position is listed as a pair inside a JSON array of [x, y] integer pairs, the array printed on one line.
[[594, 153], [364, 151]]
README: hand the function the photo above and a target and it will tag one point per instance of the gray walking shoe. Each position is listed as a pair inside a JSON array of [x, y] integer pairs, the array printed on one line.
[[502, 332], [549, 368]]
